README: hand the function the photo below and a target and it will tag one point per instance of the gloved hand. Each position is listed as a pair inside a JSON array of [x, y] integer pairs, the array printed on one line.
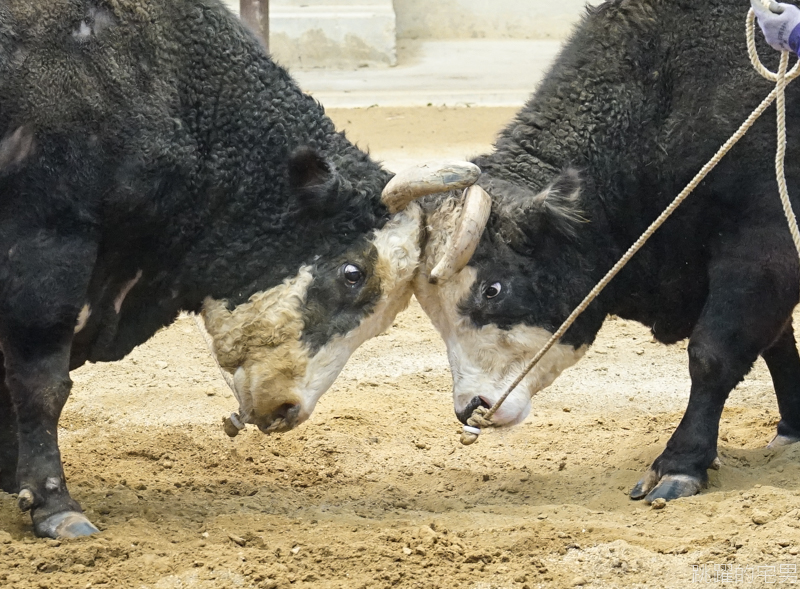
[[780, 25]]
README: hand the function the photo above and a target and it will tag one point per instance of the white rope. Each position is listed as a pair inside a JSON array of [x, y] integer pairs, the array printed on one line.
[[481, 417]]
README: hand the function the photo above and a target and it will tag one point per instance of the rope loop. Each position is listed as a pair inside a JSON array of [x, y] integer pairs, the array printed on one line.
[[481, 417]]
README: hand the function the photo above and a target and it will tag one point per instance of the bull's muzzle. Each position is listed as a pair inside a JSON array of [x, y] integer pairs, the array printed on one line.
[[285, 417]]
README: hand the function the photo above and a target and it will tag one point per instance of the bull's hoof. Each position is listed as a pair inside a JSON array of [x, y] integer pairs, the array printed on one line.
[[779, 441], [668, 487], [67, 524]]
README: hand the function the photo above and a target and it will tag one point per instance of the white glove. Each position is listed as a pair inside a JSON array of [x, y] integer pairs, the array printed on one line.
[[779, 24]]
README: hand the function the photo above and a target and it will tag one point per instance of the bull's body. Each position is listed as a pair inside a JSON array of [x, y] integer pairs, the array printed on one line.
[[154, 157], [641, 97]]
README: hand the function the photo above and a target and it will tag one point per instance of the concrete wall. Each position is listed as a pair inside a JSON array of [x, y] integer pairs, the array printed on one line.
[[492, 19], [233, 5], [358, 33], [331, 33]]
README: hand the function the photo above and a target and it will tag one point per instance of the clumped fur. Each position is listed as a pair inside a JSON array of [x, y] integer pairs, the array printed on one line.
[[163, 130], [640, 98]]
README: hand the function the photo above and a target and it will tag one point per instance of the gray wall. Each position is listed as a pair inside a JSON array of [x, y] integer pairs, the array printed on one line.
[[494, 19]]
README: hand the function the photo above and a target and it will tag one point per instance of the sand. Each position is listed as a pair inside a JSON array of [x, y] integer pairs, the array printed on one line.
[[376, 491]]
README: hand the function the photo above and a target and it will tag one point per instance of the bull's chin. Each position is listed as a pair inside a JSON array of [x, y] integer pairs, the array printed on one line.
[[288, 421], [512, 416], [512, 412]]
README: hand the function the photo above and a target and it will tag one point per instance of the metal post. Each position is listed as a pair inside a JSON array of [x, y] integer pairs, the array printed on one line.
[[256, 14]]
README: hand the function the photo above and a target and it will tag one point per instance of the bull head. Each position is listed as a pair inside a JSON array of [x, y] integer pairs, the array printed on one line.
[[496, 312], [286, 345]]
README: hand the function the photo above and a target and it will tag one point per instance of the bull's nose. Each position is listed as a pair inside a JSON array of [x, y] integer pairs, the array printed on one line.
[[466, 412], [282, 419]]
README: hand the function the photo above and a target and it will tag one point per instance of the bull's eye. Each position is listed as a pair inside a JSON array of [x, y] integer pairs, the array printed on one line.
[[493, 290], [352, 274]]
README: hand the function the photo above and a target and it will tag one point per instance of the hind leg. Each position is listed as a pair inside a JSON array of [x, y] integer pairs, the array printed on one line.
[[783, 362], [9, 447]]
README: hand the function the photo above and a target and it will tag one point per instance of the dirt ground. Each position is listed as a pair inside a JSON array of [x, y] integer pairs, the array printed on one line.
[[375, 490]]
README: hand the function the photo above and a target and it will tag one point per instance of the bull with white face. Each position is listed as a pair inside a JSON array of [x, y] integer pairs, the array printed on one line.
[[638, 101], [286, 345], [504, 305], [154, 159]]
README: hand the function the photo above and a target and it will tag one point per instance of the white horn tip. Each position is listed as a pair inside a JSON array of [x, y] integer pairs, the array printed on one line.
[[441, 273], [428, 178]]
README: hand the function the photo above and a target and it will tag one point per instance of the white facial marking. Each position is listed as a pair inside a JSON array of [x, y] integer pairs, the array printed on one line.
[[83, 317], [484, 361], [126, 288], [398, 256], [260, 341]]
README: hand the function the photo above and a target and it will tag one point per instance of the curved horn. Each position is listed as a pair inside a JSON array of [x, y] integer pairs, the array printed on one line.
[[474, 215], [425, 179]]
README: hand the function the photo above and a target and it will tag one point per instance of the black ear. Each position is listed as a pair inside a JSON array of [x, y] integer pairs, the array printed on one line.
[[525, 217], [314, 181], [308, 169], [558, 207]]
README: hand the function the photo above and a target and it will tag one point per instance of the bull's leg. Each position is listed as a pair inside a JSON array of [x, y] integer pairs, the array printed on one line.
[[8, 437], [46, 277], [748, 306], [783, 362]]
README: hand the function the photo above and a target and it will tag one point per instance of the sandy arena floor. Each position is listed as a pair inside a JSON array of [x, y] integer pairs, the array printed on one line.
[[375, 491]]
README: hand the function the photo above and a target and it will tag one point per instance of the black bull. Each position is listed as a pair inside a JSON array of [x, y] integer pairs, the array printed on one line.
[[153, 159], [639, 99]]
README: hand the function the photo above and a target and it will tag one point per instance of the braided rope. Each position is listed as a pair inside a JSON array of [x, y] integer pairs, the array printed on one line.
[[481, 417]]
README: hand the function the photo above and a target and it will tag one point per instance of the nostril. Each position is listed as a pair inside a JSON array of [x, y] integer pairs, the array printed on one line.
[[466, 412], [282, 419], [287, 411]]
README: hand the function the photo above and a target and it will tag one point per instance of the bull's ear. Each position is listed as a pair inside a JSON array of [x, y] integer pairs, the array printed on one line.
[[557, 207], [526, 217], [314, 182]]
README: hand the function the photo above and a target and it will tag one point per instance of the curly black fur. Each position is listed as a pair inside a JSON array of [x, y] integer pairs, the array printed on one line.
[[640, 98], [167, 141]]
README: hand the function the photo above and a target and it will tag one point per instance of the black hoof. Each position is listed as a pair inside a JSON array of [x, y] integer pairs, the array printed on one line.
[[644, 486], [67, 524], [668, 487], [674, 486]]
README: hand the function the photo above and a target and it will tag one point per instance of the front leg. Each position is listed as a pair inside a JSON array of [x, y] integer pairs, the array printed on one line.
[[39, 389], [44, 287], [9, 447], [749, 304]]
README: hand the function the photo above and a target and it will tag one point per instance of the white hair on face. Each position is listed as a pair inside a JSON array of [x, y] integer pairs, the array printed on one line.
[[398, 247], [83, 317], [261, 340], [485, 360]]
